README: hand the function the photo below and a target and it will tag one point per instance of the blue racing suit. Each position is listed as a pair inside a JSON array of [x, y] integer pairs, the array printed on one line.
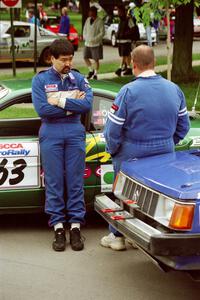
[[148, 117], [62, 143]]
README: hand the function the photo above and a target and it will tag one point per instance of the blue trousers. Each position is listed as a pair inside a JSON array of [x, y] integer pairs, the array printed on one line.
[[63, 160], [138, 149]]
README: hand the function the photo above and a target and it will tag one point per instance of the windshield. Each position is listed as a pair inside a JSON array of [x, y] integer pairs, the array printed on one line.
[[3, 28]]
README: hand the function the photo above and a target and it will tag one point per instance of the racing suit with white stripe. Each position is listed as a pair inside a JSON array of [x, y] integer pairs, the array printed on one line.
[[148, 117]]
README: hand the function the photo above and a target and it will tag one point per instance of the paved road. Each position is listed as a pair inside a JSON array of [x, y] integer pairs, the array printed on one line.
[[110, 55], [30, 270]]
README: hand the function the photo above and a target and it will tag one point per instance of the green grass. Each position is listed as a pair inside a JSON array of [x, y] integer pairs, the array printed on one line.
[[189, 89], [104, 68]]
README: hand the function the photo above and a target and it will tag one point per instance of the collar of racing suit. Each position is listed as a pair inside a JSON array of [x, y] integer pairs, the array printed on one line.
[[147, 73], [69, 75]]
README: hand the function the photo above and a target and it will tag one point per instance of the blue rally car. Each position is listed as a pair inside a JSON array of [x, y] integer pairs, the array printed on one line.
[[157, 205]]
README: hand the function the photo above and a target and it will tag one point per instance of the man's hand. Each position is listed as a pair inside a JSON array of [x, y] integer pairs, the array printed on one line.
[[80, 95], [53, 98]]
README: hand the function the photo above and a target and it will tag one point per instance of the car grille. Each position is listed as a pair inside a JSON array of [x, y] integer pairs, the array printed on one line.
[[146, 199]]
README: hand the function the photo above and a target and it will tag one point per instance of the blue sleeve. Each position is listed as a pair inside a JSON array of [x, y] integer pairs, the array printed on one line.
[[183, 122], [67, 25], [64, 25], [39, 98], [115, 122], [81, 105]]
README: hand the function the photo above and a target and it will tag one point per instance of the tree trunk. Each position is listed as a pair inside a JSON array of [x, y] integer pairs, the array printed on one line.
[[168, 44], [182, 53], [17, 14], [84, 7]]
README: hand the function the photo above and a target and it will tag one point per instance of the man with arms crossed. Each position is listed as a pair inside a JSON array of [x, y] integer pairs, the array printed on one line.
[[60, 95]]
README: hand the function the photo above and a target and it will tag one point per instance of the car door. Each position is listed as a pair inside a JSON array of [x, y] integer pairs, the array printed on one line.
[[20, 164], [23, 42]]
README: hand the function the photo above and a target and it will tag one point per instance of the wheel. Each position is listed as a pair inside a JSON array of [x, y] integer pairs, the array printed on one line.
[[113, 39], [45, 57]]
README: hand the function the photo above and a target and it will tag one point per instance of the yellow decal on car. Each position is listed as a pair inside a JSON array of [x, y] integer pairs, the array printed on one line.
[[90, 144]]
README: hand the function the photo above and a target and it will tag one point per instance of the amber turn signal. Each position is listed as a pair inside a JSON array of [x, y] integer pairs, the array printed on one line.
[[182, 216]]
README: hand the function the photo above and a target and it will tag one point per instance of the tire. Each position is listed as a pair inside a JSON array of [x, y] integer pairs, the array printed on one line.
[[45, 58], [113, 39]]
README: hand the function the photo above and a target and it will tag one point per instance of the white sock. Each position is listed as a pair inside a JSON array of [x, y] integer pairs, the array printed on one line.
[[58, 226], [75, 225]]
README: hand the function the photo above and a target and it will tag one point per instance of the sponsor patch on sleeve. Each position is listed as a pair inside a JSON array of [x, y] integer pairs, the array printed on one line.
[[114, 108], [51, 88]]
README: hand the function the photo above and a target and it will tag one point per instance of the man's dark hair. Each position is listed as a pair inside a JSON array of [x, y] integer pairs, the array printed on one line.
[[93, 9], [61, 47]]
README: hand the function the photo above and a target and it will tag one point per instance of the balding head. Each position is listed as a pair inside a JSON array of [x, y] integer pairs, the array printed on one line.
[[143, 58]]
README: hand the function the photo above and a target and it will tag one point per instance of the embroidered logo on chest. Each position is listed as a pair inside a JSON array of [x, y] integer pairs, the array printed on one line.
[[51, 88]]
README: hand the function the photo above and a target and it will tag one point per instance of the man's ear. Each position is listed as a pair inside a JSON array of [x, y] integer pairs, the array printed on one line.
[[52, 59], [134, 65]]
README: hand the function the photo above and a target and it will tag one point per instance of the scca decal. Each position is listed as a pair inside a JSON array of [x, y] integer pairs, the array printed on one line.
[[11, 146]]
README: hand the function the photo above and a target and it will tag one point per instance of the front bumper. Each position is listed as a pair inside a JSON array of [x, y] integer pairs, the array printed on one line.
[[153, 241]]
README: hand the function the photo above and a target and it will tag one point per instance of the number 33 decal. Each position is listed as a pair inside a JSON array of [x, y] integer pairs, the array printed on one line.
[[19, 165]]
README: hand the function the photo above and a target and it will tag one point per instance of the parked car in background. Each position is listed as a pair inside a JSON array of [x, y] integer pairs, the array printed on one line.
[[52, 24], [24, 42], [162, 29], [111, 27], [196, 22]]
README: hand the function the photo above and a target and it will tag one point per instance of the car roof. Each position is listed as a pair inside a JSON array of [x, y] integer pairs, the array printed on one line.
[[15, 23], [18, 84]]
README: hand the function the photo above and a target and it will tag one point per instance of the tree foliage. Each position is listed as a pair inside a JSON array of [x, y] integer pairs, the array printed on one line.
[[182, 52]]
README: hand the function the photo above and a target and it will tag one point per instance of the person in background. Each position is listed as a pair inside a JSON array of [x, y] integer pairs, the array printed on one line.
[[42, 14], [60, 95], [29, 6], [31, 18], [124, 39], [64, 22], [148, 117], [93, 32]]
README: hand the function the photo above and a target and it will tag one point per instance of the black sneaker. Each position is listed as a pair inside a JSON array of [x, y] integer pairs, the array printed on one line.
[[59, 243], [90, 74], [128, 72], [76, 240], [95, 77], [118, 72], [124, 67]]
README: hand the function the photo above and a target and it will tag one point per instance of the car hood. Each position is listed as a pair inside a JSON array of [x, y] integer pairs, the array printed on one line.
[[174, 174]]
